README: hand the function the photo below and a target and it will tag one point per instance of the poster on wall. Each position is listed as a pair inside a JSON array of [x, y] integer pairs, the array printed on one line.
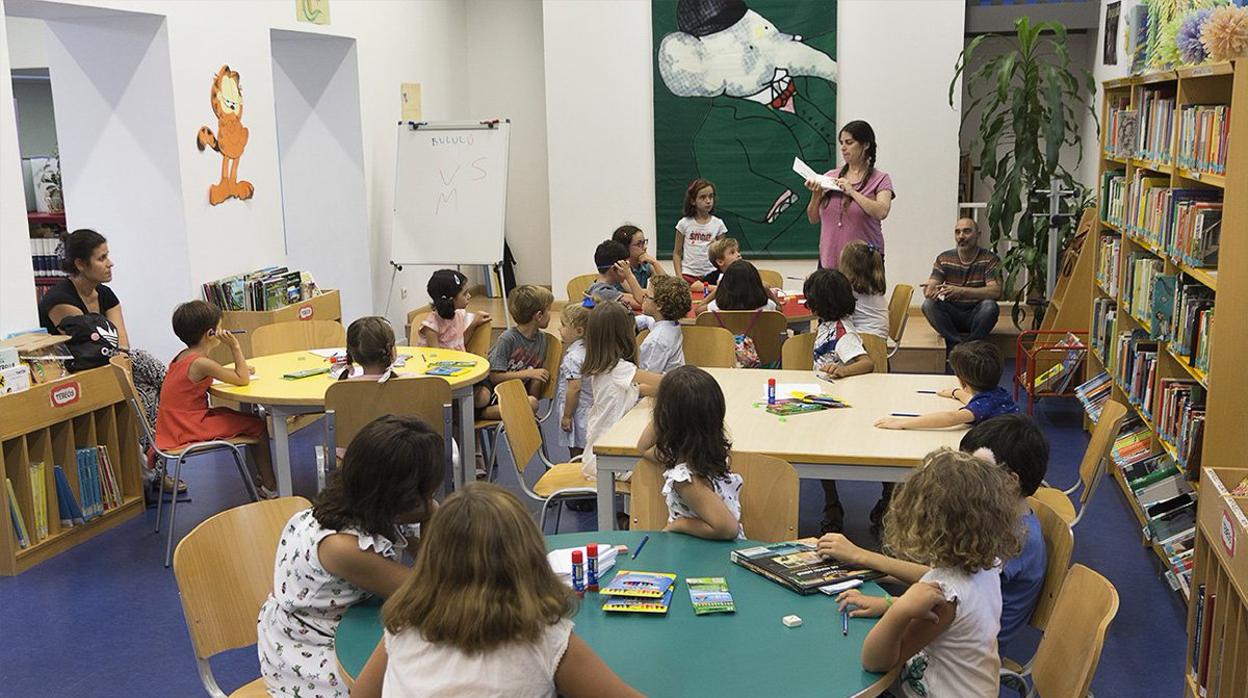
[[740, 89], [314, 11], [1112, 11], [229, 139]]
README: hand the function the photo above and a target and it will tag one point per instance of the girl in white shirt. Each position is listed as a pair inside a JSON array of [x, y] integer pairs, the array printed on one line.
[[610, 368], [483, 614], [741, 288], [686, 436], [863, 265], [957, 514], [696, 231]]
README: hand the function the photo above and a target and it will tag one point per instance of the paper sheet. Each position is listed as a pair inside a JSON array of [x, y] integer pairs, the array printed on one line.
[[804, 170], [328, 353], [784, 391]]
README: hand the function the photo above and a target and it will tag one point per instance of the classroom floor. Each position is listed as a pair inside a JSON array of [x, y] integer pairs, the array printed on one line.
[[104, 619]]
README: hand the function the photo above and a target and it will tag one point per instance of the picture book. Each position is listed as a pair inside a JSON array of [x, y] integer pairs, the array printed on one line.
[[634, 604], [710, 595], [440, 369], [15, 513], [797, 565], [640, 584]]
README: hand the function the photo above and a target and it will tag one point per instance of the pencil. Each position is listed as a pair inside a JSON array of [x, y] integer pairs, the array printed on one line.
[[903, 414], [926, 392], [845, 621]]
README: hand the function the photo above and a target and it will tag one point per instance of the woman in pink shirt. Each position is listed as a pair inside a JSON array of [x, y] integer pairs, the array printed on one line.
[[866, 195]]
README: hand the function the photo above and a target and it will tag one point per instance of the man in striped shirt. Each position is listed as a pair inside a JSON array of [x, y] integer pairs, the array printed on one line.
[[960, 297]]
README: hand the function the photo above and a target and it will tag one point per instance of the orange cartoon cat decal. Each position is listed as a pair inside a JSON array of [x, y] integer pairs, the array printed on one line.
[[230, 139]]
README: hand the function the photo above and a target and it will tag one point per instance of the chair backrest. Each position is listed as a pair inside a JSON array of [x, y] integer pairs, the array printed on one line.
[[126, 382], [1099, 445], [771, 278], [224, 571], [480, 341], [298, 334], [1059, 545], [355, 403], [899, 310], [523, 436], [708, 347], [415, 316], [877, 349], [554, 355], [769, 497], [769, 329], [798, 352], [578, 285], [1068, 653], [647, 509]]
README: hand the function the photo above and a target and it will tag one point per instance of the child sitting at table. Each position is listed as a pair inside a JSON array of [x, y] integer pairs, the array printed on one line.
[[573, 396], [617, 385], [450, 323], [344, 549], [863, 265], [370, 343], [723, 252], [958, 515], [184, 416], [663, 349], [616, 281], [519, 352], [741, 288], [1018, 445], [482, 613], [686, 437], [978, 367]]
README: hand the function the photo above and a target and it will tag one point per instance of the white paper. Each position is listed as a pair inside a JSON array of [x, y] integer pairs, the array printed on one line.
[[804, 170], [329, 353], [784, 391], [561, 560]]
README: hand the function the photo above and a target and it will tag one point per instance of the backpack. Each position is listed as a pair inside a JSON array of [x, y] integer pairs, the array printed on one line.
[[92, 340], [747, 353]]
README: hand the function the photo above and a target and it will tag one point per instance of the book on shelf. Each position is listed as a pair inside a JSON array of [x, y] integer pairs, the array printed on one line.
[[1113, 196], [1140, 271], [1141, 215], [797, 566], [1107, 263], [45, 258], [67, 503], [1181, 420], [264, 289], [1104, 329], [1161, 311], [1204, 131], [1133, 443], [1125, 134], [15, 514], [1144, 473], [1156, 115], [1136, 363], [1192, 324], [39, 500], [1058, 377], [1195, 230], [1171, 517], [1116, 106], [1094, 393]]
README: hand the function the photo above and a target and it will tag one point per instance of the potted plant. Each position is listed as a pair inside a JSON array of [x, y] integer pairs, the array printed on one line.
[[1032, 105], [50, 183]]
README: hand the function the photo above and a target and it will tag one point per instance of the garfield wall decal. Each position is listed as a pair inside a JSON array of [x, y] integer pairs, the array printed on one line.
[[230, 138]]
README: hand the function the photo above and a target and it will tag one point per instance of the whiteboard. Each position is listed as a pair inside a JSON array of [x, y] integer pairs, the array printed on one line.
[[450, 193]]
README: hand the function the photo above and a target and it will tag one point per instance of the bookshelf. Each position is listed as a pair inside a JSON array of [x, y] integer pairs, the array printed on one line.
[[326, 306], [47, 423], [1171, 174]]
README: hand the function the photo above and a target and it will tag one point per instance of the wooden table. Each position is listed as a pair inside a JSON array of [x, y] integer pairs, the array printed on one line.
[[284, 398], [746, 653], [838, 444]]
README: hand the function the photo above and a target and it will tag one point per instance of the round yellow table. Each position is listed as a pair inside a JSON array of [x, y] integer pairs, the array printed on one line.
[[285, 397]]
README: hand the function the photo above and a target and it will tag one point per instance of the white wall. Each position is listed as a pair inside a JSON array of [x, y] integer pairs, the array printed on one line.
[[26, 43], [1100, 73], [506, 80], [36, 123], [895, 62], [17, 283]]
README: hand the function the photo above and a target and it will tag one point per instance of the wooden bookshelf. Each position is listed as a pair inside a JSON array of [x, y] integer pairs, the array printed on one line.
[[47, 423], [1226, 380], [327, 306]]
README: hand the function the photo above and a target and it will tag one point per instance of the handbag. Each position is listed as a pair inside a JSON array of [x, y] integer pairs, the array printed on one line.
[[92, 340]]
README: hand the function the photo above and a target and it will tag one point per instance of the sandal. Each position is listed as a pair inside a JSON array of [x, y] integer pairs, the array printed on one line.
[[169, 485]]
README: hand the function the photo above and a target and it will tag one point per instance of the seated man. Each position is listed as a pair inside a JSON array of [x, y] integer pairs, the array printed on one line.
[[961, 294]]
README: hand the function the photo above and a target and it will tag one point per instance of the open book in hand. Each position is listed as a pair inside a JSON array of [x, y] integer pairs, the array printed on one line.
[[804, 170]]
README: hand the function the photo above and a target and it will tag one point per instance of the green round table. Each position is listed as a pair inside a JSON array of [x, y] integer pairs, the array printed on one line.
[[749, 652]]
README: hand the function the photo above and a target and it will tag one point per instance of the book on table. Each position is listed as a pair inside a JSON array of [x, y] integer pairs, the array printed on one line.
[[797, 565]]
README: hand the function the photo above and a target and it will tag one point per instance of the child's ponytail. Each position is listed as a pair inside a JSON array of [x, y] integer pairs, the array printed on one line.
[[443, 286], [863, 265]]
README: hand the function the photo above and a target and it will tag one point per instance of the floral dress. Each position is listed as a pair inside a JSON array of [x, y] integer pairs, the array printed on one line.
[[727, 487], [298, 621]]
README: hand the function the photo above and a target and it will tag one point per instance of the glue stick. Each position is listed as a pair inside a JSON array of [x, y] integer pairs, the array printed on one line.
[[578, 573], [591, 567], [771, 391]]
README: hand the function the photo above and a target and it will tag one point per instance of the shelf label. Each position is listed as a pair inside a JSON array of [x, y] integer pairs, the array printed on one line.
[[1228, 533], [66, 394], [305, 312]]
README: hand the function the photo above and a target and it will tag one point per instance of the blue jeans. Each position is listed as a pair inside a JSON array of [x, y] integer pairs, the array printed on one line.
[[961, 322]]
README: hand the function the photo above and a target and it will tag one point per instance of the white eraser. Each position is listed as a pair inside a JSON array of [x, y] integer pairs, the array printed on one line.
[[791, 621]]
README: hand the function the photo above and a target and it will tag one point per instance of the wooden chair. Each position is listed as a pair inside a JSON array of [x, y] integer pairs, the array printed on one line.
[[898, 314], [769, 329], [1059, 545], [708, 347], [769, 497], [351, 404], [771, 279], [578, 285], [1068, 653], [224, 571], [1091, 468], [877, 349], [560, 481], [298, 334], [179, 455], [798, 352], [480, 340], [416, 316]]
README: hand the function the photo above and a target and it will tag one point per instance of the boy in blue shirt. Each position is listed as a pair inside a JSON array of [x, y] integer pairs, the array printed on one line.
[[978, 367], [1018, 445]]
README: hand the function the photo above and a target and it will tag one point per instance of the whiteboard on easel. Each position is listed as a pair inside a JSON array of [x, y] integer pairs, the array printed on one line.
[[450, 192]]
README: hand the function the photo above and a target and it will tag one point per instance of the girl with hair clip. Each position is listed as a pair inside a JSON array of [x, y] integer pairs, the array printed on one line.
[[483, 614], [863, 265], [686, 436], [450, 323], [958, 515], [862, 200], [611, 369], [344, 549], [370, 343], [696, 231]]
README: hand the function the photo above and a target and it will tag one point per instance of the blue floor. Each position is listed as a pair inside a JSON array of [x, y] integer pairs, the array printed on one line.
[[104, 618]]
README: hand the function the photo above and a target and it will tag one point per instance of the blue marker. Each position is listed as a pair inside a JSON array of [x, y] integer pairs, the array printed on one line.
[[640, 545]]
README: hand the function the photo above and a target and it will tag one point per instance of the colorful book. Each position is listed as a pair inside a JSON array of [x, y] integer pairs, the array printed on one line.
[[15, 512], [710, 595], [70, 510], [797, 565], [39, 502], [788, 408], [640, 584]]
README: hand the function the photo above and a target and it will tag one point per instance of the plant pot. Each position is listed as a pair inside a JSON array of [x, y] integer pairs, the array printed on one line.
[[56, 201]]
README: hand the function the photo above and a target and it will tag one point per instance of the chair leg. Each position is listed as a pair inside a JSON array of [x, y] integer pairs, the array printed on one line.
[[241, 461], [558, 515], [541, 523], [173, 512], [161, 473]]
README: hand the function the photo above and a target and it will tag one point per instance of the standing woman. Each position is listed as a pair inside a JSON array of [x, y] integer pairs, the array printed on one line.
[[865, 198]]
